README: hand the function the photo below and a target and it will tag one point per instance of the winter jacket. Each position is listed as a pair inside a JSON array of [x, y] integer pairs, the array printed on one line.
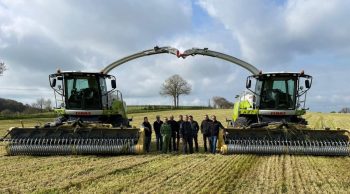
[[195, 128], [165, 130], [156, 126], [179, 124], [205, 126], [148, 129], [174, 127], [186, 130], [214, 128]]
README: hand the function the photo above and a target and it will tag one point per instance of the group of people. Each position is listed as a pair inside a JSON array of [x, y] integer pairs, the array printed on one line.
[[169, 132]]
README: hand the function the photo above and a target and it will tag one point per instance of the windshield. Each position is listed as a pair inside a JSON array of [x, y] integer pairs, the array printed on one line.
[[278, 93], [82, 92]]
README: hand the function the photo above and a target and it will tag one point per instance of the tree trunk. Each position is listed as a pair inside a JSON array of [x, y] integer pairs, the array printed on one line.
[[177, 100], [174, 101]]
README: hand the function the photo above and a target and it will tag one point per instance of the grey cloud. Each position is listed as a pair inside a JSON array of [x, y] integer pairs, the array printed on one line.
[[292, 36], [37, 37], [271, 33], [38, 53], [112, 27]]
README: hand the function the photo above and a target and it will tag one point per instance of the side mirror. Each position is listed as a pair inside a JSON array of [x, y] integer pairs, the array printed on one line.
[[114, 84], [248, 83], [53, 82], [307, 84]]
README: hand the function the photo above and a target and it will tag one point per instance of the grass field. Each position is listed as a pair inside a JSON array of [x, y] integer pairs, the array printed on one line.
[[176, 173]]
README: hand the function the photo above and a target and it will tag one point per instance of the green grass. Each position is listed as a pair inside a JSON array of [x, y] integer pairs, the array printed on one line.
[[177, 173], [28, 116]]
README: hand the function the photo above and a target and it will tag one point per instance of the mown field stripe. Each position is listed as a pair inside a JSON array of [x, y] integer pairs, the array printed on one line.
[[202, 175], [231, 179], [142, 176], [112, 169], [65, 175]]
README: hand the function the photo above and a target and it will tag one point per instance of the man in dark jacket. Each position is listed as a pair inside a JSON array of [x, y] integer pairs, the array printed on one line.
[[186, 135], [174, 131], [205, 127], [179, 123], [148, 133], [215, 126], [195, 129], [156, 126]]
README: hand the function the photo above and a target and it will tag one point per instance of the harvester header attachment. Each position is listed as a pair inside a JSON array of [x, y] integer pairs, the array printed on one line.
[[74, 139], [295, 141]]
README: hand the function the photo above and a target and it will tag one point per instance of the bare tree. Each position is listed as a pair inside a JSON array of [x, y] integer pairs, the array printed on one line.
[[2, 68], [221, 102], [345, 110], [39, 104], [175, 86], [42, 104], [47, 105]]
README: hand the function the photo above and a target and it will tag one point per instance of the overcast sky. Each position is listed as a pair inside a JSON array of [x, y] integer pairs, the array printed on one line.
[[39, 36]]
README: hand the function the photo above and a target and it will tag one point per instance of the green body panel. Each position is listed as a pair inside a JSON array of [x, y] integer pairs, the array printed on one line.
[[235, 111], [249, 112], [300, 112], [243, 107], [60, 111], [118, 107]]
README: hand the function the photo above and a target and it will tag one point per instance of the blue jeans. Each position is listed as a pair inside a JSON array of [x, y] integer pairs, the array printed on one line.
[[213, 141], [159, 142]]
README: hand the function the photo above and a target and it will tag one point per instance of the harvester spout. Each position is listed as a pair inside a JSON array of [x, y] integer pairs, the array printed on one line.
[[206, 52], [154, 51]]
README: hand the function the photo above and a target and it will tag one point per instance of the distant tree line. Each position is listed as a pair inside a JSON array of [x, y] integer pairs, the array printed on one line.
[[9, 107], [345, 110], [42, 104]]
